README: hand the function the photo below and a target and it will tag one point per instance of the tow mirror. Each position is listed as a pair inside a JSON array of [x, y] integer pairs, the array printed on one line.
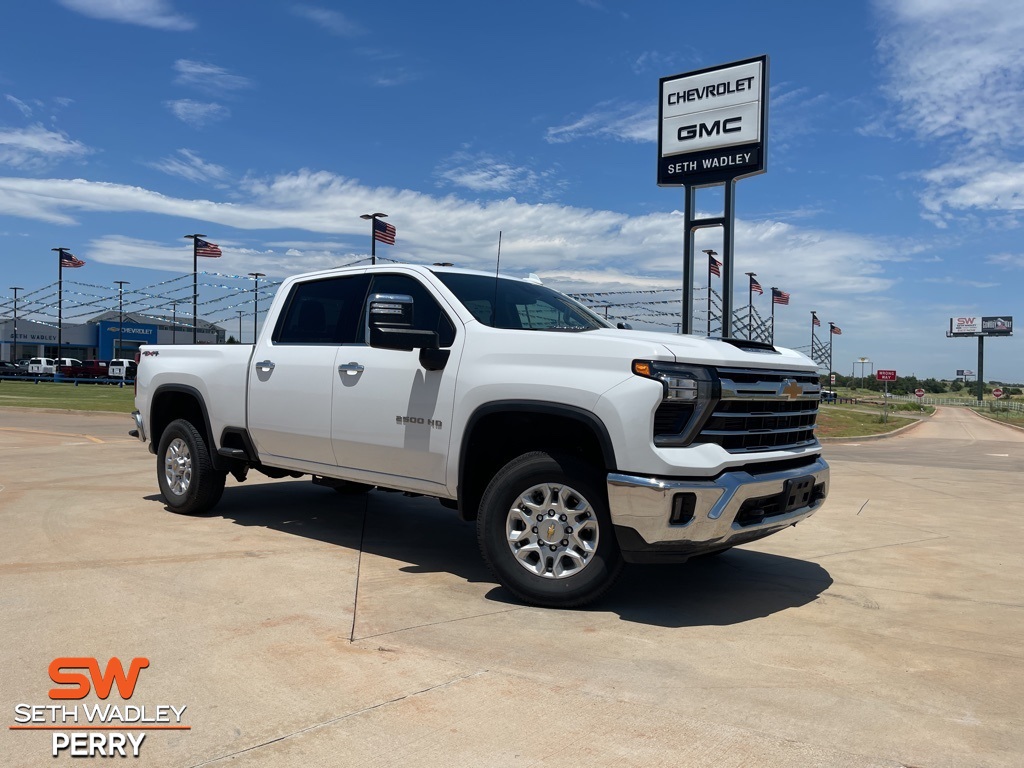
[[389, 317]]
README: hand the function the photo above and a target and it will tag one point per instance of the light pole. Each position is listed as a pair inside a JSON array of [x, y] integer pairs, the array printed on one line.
[[14, 346], [120, 312], [240, 326], [372, 217], [174, 322], [711, 268], [255, 304]]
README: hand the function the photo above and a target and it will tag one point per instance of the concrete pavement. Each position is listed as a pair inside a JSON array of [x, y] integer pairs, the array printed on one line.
[[303, 628]]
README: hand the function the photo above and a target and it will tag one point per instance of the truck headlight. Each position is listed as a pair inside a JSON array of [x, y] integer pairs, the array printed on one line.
[[686, 383], [689, 393]]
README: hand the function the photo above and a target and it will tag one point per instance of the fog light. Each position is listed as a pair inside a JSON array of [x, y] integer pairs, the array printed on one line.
[[683, 505]]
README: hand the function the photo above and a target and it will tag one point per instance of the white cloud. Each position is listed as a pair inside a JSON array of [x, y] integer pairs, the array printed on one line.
[[157, 14], [584, 242], [188, 165], [198, 114], [209, 77], [24, 108], [36, 148], [954, 76], [627, 122], [954, 68], [483, 172], [1011, 260], [333, 21], [981, 184]]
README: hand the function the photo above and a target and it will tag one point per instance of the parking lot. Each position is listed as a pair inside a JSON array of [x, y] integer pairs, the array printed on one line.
[[303, 628]]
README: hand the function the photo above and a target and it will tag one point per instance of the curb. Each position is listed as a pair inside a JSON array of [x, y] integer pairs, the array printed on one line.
[[882, 436]]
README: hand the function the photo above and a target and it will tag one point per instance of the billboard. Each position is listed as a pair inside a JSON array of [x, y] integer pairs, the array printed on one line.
[[997, 326], [711, 124], [968, 325]]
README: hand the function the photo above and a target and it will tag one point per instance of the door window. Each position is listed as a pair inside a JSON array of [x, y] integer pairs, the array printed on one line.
[[323, 312]]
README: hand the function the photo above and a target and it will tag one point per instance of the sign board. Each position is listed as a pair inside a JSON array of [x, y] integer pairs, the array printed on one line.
[[711, 124], [968, 325], [961, 372], [997, 326], [833, 378], [885, 375], [997, 393], [919, 392]]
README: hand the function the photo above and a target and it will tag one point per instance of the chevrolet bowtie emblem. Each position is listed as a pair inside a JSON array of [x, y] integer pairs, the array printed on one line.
[[792, 389], [551, 530]]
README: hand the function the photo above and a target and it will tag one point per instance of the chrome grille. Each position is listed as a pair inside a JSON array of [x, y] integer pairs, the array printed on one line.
[[763, 410]]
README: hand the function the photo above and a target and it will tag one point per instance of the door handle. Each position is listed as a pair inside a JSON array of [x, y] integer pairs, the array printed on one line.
[[265, 365], [350, 368]]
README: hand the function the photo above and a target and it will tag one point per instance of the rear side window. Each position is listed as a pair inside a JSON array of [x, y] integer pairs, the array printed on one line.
[[323, 312]]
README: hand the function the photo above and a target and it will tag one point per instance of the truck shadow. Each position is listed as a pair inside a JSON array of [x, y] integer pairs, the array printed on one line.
[[731, 588]]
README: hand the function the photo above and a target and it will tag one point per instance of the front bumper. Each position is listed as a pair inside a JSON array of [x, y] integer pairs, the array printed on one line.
[[660, 519]]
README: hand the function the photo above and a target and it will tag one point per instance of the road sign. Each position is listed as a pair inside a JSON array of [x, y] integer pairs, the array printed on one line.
[[882, 375], [997, 393], [919, 392]]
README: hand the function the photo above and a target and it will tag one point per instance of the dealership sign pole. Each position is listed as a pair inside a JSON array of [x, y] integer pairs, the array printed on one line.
[[711, 132], [980, 327]]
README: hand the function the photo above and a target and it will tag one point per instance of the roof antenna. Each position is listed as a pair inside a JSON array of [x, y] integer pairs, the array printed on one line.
[[494, 303]]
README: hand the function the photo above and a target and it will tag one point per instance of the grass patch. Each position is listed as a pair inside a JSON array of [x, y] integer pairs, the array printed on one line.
[[85, 397], [841, 422], [1007, 417]]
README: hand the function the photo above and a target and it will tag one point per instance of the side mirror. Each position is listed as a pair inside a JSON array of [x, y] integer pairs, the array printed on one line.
[[624, 326], [389, 319]]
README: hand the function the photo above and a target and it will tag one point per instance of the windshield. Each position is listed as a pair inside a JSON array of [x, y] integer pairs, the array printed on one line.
[[519, 304]]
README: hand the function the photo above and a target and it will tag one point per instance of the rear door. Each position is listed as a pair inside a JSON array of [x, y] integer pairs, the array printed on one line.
[[293, 370]]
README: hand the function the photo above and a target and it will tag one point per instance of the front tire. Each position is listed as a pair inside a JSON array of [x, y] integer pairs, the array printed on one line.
[[545, 532], [188, 480]]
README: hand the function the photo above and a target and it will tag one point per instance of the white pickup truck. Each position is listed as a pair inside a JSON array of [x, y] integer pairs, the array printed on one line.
[[574, 445]]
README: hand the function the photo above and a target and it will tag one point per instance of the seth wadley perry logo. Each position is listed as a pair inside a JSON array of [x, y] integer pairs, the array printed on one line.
[[96, 730]]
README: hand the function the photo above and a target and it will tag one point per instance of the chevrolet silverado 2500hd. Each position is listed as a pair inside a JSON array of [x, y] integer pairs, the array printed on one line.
[[575, 446]]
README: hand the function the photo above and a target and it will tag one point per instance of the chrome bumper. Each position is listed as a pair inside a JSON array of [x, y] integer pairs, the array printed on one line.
[[140, 428], [644, 504]]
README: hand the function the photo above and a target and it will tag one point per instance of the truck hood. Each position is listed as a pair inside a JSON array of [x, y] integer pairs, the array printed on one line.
[[700, 349]]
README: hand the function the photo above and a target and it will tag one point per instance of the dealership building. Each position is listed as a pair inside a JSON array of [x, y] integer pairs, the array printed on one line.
[[104, 337]]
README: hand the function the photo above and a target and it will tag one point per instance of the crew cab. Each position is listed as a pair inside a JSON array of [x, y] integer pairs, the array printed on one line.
[[574, 445]]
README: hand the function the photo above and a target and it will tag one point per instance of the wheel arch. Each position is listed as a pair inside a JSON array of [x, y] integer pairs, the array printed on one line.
[[181, 401], [499, 431]]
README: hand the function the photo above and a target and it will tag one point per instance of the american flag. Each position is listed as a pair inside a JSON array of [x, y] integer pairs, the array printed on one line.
[[68, 260], [814, 317], [716, 266], [836, 330], [384, 232], [779, 297], [755, 286], [204, 248]]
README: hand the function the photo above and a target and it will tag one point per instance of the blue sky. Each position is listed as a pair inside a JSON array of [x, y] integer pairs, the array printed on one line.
[[892, 202]]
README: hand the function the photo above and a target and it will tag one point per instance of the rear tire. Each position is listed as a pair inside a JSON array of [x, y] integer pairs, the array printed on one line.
[[188, 480], [545, 532]]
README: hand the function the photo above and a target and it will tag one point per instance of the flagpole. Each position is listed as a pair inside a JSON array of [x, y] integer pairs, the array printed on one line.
[[711, 255], [60, 302], [372, 217], [831, 335], [774, 289], [750, 304], [195, 287], [812, 334]]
